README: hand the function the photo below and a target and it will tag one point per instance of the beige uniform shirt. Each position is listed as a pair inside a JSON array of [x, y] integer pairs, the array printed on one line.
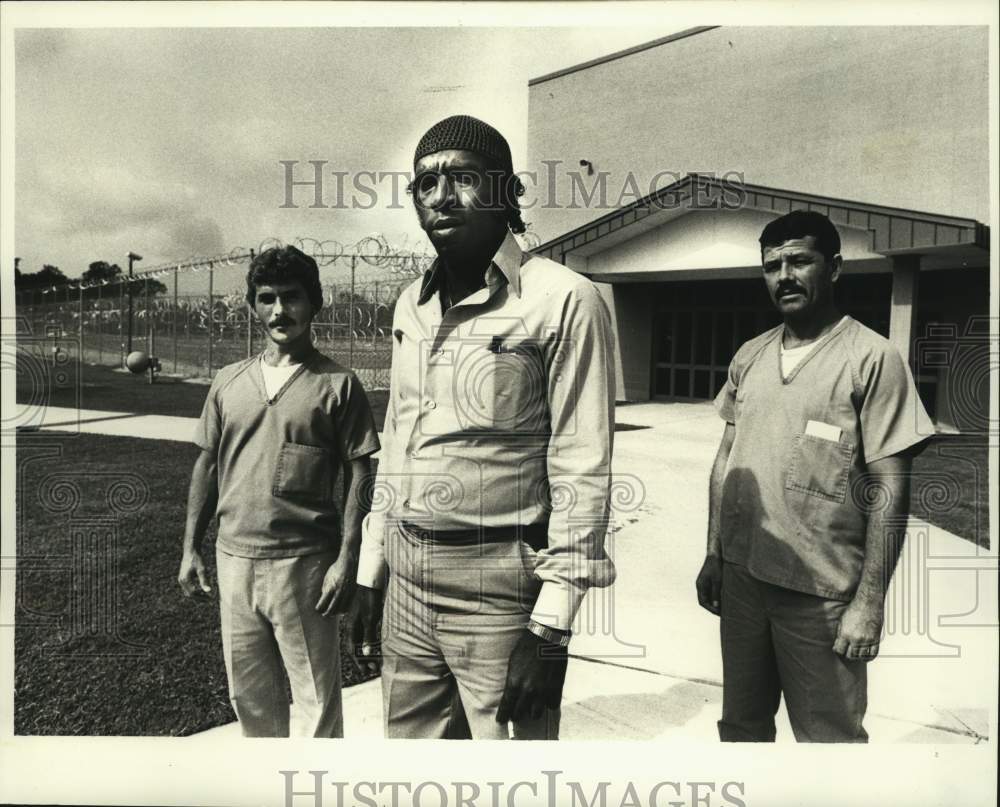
[[279, 455], [794, 509], [502, 414]]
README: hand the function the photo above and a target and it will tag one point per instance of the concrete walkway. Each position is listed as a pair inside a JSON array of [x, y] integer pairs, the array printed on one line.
[[116, 424], [646, 658]]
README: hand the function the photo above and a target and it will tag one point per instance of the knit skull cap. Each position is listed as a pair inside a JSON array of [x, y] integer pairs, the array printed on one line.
[[467, 133]]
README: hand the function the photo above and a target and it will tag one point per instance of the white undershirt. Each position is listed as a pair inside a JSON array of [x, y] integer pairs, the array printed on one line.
[[791, 357], [275, 377]]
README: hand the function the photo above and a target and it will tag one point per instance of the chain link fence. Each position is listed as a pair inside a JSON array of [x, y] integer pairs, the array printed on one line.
[[193, 335]]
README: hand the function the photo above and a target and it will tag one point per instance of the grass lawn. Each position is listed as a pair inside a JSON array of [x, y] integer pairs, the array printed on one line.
[[68, 682], [111, 390], [950, 486]]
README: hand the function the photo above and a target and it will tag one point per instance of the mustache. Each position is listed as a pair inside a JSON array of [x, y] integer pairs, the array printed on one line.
[[276, 323], [784, 288]]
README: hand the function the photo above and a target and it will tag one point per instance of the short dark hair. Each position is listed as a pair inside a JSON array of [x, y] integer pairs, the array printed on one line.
[[799, 224], [285, 264]]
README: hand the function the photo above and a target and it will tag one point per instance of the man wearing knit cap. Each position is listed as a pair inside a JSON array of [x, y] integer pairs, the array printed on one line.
[[491, 501]]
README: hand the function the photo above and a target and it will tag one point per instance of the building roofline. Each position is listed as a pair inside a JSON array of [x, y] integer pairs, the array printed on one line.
[[893, 229], [622, 53]]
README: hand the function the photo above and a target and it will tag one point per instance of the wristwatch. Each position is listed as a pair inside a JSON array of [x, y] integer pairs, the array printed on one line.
[[558, 637]]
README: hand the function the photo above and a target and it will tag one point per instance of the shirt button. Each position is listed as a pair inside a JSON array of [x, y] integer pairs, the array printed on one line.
[[406, 504], [412, 454], [431, 404]]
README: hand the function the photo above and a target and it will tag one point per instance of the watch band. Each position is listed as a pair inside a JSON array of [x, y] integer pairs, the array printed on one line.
[[557, 637]]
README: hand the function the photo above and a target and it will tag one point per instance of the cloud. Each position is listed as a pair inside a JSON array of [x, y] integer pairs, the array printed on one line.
[[193, 235], [115, 210]]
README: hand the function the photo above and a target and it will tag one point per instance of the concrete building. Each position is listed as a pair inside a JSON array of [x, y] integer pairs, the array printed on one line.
[[657, 168]]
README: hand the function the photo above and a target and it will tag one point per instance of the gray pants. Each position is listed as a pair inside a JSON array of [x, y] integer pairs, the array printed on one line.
[[453, 614], [270, 626], [774, 641]]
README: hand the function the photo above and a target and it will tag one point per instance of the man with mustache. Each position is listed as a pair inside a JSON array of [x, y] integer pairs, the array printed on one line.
[[808, 499], [275, 431], [497, 459]]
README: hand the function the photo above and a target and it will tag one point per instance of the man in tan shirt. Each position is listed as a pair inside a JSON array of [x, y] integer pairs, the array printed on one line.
[[493, 482]]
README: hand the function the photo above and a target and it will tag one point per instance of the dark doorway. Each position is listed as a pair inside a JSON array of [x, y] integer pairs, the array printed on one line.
[[700, 324]]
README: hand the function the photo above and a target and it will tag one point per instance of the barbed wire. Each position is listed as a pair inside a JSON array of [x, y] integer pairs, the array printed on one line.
[[373, 250]]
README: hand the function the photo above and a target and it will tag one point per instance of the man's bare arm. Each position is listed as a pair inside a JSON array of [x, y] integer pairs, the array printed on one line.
[[715, 482], [203, 496], [709, 582], [341, 578], [861, 624], [357, 503]]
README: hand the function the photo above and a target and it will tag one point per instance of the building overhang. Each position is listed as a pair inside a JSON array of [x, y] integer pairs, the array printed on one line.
[[941, 241]]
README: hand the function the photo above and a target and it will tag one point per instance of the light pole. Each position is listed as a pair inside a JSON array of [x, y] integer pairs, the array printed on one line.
[[132, 258]]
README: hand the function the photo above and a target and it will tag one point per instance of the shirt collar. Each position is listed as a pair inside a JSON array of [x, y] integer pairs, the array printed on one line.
[[508, 260]]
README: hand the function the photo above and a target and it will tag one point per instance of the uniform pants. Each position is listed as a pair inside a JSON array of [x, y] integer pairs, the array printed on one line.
[[453, 614], [270, 627], [774, 641]]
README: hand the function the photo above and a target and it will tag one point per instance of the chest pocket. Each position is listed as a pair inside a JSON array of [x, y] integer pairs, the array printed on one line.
[[304, 472], [820, 467], [501, 387]]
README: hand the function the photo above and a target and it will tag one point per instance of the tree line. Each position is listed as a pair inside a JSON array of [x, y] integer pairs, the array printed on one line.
[[98, 273]]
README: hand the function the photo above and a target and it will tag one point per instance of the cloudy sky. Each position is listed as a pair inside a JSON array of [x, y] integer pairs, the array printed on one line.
[[167, 141]]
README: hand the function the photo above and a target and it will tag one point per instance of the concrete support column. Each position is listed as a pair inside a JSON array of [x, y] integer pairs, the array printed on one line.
[[903, 311], [632, 319]]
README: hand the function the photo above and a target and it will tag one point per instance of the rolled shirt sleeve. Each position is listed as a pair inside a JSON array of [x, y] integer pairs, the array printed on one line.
[[371, 560], [581, 397], [372, 566]]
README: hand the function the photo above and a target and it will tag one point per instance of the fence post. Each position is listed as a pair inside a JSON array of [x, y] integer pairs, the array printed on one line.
[[173, 320], [375, 319], [80, 329], [250, 319], [100, 324], [131, 295], [145, 305], [350, 349], [250, 314], [211, 314], [333, 312], [121, 324]]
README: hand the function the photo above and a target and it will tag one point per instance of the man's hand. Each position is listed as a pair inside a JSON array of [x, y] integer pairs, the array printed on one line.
[[536, 672], [366, 616], [339, 584], [860, 631], [192, 576], [709, 584]]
